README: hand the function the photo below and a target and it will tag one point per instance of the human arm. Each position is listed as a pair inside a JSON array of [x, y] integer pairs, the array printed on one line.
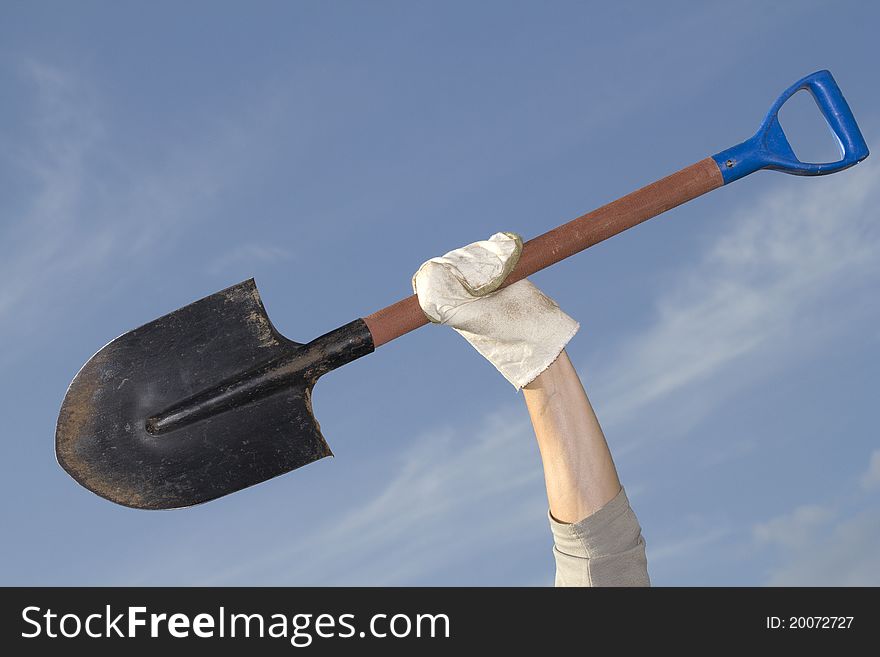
[[597, 539]]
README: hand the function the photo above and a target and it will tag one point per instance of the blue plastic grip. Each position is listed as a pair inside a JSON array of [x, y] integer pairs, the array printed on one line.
[[769, 148]]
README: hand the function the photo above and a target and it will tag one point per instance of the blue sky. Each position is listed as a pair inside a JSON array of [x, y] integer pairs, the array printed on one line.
[[156, 153]]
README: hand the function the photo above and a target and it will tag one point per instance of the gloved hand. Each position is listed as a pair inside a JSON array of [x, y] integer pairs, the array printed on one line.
[[518, 329]]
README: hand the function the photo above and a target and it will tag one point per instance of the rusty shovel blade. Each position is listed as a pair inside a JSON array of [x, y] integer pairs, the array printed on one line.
[[197, 404]]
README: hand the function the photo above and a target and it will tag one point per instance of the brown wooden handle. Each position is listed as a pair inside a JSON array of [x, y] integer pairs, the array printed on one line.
[[578, 234]]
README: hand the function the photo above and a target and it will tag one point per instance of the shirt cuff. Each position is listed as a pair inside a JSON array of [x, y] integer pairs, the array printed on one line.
[[611, 530]]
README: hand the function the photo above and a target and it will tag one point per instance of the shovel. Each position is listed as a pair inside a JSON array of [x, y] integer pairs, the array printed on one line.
[[211, 398]]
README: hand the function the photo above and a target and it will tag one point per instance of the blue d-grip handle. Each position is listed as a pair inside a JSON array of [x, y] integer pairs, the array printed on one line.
[[769, 147]]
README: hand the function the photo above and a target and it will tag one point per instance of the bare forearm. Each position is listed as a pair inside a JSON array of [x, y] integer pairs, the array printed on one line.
[[578, 469]]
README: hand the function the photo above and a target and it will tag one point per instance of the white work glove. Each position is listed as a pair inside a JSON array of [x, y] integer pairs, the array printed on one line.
[[518, 329]]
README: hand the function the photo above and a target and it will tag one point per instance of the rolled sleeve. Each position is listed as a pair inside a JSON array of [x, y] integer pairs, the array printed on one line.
[[604, 549]]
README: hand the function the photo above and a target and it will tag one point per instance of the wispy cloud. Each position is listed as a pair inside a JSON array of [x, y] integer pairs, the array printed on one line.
[[89, 214], [758, 292], [830, 544], [685, 547], [248, 254], [871, 479], [395, 535], [69, 128], [796, 529], [845, 554], [451, 497]]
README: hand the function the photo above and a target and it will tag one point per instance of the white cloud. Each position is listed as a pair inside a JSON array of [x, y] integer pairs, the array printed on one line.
[[795, 530], [69, 128], [826, 545], [684, 547], [756, 295], [486, 483], [88, 214], [871, 479], [248, 254], [845, 554]]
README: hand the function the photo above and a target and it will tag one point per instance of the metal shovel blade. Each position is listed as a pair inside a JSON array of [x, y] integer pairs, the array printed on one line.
[[197, 404]]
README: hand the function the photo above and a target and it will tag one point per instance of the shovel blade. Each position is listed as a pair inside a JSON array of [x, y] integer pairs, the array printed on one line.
[[102, 438]]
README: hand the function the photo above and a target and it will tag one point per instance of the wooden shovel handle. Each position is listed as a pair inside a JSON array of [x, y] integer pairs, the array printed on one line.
[[578, 234]]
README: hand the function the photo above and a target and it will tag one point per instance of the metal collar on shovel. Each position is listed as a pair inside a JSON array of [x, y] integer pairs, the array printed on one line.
[[211, 398]]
